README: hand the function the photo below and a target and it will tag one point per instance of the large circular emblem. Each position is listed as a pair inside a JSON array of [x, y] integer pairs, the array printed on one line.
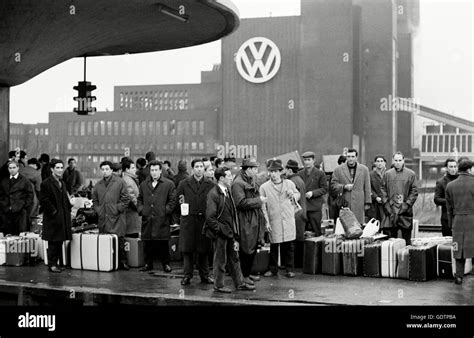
[[258, 60]]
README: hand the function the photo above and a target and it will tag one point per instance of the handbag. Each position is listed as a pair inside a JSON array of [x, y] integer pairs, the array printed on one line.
[[351, 225], [341, 201], [371, 228]]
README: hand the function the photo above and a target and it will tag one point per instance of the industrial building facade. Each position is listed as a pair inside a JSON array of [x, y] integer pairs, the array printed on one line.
[[309, 82]]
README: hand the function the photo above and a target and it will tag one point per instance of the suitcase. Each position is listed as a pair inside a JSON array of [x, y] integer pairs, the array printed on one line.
[[353, 256], [175, 254], [312, 252], [64, 258], [261, 262], [422, 262], [299, 254], [34, 247], [372, 258], [134, 252], [331, 256], [3, 251], [389, 256], [402, 262], [446, 267], [15, 250], [97, 252]]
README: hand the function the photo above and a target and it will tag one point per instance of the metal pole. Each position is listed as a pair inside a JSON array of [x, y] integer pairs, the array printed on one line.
[[84, 69]]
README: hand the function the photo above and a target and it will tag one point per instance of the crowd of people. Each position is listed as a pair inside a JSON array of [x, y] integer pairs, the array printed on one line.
[[226, 216]]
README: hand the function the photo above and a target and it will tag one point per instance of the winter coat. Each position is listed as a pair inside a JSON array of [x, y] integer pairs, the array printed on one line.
[[279, 211], [249, 212], [110, 203], [215, 222], [156, 205], [399, 183], [73, 180], [133, 220], [35, 178], [460, 209], [376, 209], [316, 182], [54, 201], [300, 216], [191, 238], [17, 197], [360, 194], [440, 196]]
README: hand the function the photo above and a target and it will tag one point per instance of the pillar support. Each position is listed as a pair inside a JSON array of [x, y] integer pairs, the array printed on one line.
[[4, 123]]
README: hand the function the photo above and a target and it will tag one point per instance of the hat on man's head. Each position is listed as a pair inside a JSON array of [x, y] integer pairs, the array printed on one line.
[[275, 165], [309, 154], [250, 162], [292, 164]]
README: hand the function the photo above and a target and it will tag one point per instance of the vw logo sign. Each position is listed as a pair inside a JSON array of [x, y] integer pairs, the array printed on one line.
[[258, 60]]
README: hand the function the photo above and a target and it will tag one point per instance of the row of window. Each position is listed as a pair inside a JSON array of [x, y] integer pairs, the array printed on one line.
[[155, 100], [137, 146], [138, 128], [446, 143]]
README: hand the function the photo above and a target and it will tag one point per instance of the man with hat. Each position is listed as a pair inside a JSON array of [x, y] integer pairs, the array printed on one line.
[[279, 211], [292, 169], [316, 186], [246, 195]]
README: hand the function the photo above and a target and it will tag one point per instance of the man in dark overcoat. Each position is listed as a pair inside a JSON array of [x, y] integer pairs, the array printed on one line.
[[440, 193], [56, 206], [110, 199], [16, 197], [460, 208], [193, 191], [156, 202]]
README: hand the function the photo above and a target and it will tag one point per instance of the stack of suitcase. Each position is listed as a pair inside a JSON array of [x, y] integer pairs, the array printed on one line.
[[353, 252], [422, 262], [389, 260], [312, 252], [331, 256], [372, 259]]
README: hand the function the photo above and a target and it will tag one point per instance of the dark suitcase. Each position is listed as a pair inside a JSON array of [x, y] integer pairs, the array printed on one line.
[[312, 259], [353, 256], [447, 264], [372, 259], [331, 256], [299, 254], [261, 262], [422, 263], [134, 252], [175, 254]]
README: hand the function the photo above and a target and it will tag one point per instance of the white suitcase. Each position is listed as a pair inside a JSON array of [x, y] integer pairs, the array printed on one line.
[[389, 256], [97, 252], [65, 257], [35, 245]]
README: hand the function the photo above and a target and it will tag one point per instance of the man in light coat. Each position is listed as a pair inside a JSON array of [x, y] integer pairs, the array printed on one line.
[[353, 180], [399, 193], [279, 211], [110, 199], [459, 205]]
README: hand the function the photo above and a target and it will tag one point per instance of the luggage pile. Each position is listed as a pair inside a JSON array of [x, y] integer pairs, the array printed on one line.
[[377, 256]]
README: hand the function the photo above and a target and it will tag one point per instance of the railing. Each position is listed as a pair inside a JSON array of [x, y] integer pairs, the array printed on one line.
[[447, 144]]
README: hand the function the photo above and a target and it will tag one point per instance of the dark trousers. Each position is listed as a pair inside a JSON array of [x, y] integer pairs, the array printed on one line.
[[159, 248], [314, 221], [226, 256], [14, 222], [54, 253], [393, 233], [445, 229], [246, 262], [134, 235], [203, 264], [460, 262], [287, 256]]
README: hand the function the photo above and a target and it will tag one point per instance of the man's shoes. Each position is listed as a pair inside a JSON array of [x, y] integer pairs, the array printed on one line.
[[207, 280], [248, 280], [222, 289], [255, 278], [186, 281], [458, 281], [270, 274], [54, 269], [124, 266], [246, 287], [147, 267], [290, 274], [167, 268]]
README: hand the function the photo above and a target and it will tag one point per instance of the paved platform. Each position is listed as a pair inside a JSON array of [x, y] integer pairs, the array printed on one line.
[[34, 285]]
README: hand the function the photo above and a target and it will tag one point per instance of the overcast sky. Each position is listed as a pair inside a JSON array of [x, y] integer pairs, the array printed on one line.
[[443, 65]]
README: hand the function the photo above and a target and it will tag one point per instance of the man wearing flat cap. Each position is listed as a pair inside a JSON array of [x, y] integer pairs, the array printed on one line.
[[246, 195], [316, 186]]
